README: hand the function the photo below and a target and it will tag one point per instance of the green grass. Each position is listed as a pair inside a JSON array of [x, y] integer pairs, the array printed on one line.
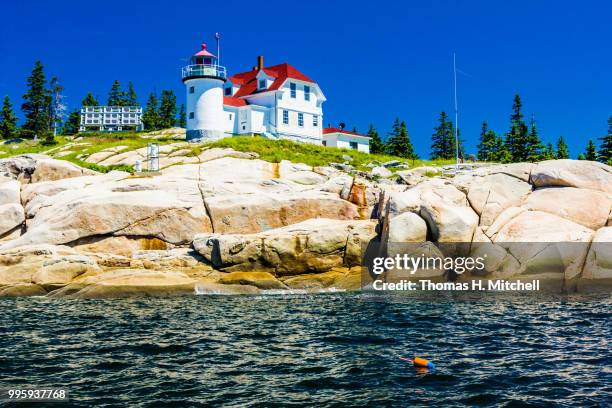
[[313, 155]]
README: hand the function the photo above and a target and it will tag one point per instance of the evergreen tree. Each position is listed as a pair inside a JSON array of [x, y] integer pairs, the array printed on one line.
[[398, 143], [130, 96], [8, 120], [90, 100], [376, 144], [58, 109], [443, 139], [167, 109], [591, 151], [534, 146], [581, 156], [37, 104], [182, 117], [562, 149], [605, 150], [72, 124], [487, 144], [115, 96], [517, 139], [150, 116], [499, 152], [549, 152]]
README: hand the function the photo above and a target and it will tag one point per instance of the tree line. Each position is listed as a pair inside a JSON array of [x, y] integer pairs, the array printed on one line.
[[521, 143], [44, 110]]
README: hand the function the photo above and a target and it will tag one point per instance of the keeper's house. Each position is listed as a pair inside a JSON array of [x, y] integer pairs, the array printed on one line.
[[111, 118], [277, 101]]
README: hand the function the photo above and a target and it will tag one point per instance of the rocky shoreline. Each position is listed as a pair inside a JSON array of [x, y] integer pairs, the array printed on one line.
[[228, 222]]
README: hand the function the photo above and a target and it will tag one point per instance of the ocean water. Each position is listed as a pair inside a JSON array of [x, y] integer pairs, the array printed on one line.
[[325, 350]]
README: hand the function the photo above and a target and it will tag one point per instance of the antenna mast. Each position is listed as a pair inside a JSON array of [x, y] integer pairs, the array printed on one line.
[[456, 112]]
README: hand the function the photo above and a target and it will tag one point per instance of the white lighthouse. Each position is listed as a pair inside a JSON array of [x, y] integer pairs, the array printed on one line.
[[204, 80]]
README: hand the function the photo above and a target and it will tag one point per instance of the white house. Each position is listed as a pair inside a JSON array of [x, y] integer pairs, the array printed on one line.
[[341, 138], [111, 118], [276, 101]]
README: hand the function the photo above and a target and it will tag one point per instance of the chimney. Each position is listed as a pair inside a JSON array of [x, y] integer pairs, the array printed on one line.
[[260, 62]]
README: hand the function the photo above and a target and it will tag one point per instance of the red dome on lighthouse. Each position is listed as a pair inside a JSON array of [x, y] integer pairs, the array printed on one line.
[[204, 52]]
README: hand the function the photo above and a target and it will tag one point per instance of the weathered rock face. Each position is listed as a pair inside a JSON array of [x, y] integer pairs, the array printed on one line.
[[573, 173], [312, 246], [11, 216], [587, 207], [33, 168], [599, 260]]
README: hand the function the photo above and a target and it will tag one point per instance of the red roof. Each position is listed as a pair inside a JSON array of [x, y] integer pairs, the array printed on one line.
[[247, 81], [233, 101], [204, 52], [338, 130]]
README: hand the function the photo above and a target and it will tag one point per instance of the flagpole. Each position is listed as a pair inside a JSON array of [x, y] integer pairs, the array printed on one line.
[[217, 36], [456, 112]]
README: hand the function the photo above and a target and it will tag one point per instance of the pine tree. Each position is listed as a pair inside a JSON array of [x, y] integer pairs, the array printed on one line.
[[150, 116], [8, 120], [549, 152], [167, 109], [517, 138], [58, 109], [605, 149], [90, 100], [115, 96], [72, 124], [499, 153], [130, 96], [562, 149], [581, 156], [591, 151], [534, 146], [37, 104], [487, 144], [376, 144], [398, 143], [182, 117], [443, 139]]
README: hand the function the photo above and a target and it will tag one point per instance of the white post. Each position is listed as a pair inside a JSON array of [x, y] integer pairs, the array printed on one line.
[[456, 113]]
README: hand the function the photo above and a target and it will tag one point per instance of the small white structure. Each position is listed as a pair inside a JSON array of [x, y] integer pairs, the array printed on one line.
[[277, 101], [111, 118], [335, 137]]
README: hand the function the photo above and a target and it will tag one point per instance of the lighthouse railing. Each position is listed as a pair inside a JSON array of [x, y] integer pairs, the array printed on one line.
[[204, 70]]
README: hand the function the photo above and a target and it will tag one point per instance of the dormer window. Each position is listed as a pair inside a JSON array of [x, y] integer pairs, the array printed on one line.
[[228, 91], [262, 84]]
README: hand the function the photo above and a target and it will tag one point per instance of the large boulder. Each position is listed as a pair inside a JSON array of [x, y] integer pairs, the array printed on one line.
[[315, 245], [573, 173], [590, 208], [449, 223], [599, 260], [10, 191], [33, 168], [11, 217]]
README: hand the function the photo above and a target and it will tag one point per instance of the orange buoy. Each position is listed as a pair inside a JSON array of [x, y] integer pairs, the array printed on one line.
[[421, 362]]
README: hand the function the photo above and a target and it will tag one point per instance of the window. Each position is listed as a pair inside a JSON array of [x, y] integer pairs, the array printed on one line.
[[300, 119], [262, 84], [228, 91], [325, 143], [315, 121], [230, 116], [243, 127], [191, 89], [286, 117], [353, 145], [306, 93], [293, 88], [191, 115]]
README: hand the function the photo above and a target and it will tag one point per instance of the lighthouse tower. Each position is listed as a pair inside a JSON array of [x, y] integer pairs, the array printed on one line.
[[204, 79]]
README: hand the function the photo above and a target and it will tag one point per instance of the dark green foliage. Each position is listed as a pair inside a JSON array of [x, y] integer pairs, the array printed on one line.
[[591, 151], [605, 149], [488, 143], [167, 109], [534, 146], [182, 117], [115, 96], [398, 143], [549, 152], [36, 105], [90, 100], [8, 120], [562, 149], [581, 156], [517, 139], [443, 139], [71, 126], [130, 96], [150, 116], [376, 144]]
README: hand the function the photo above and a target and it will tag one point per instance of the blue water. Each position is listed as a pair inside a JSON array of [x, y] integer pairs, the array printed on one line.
[[326, 350]]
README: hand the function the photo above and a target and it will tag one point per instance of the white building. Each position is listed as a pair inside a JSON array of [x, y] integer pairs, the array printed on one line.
[[343, 139], [111, 118], [277, 101]]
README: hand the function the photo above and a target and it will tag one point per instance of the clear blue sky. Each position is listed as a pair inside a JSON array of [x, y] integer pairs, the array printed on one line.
[[374, 60]]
